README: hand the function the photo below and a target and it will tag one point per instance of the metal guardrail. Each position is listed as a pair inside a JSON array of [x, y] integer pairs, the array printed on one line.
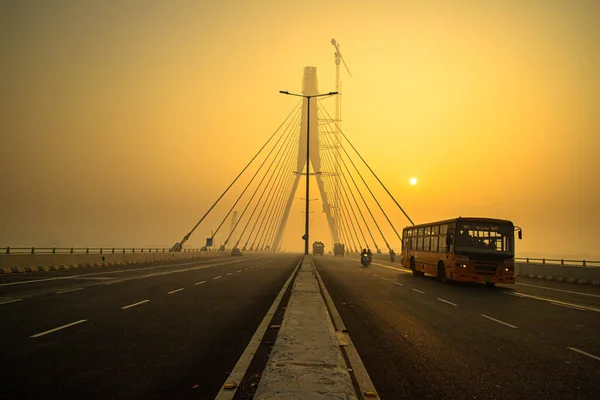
[[555, 261], [84, 250]]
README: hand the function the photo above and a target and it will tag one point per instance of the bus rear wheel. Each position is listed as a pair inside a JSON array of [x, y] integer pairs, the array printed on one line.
[[441, 273]]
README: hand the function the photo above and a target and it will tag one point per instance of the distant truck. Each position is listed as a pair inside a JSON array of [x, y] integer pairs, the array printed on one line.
[[318, 248], [339, 249]]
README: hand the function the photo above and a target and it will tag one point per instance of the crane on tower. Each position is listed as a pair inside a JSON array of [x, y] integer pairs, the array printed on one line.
[[338, 122]]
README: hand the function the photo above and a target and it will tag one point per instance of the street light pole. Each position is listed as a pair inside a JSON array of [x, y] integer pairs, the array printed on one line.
[[307, 97]]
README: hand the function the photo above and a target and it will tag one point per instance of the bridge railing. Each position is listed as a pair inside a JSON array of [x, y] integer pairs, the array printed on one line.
[[555, 261], [84, 250]]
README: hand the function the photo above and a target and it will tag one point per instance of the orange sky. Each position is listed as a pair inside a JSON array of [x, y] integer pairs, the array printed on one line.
[[121, 122]]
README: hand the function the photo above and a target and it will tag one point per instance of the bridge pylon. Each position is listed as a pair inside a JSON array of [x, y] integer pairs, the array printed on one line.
[[309, 87]]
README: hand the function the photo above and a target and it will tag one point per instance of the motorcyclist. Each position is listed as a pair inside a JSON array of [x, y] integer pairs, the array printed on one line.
[[370, 255], [364, 253], [392, 255]]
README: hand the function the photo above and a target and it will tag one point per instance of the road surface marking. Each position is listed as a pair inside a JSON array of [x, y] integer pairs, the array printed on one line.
[[395, 269], [11, 301], [374, 274], [70, 290], [584, 353], [201, 264], [199, 283], [229, 274], [564, 305], [399, 284], [559, 290], [175, 291], [245, 269], [385, 279], [417, 290], [217, 277], [134, 304], [243, 363], [238, 271], [447, 302], [498, 321], [517, 294], [59, 328]]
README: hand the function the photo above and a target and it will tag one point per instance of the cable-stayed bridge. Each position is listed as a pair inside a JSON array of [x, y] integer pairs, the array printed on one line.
[[200, 323], [353, 212]]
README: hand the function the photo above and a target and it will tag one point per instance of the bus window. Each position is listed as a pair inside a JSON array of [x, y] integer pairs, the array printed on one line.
[[436, 230], [426, 243], [420, 243]]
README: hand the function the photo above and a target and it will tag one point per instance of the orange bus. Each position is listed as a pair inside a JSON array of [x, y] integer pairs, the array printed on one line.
[[462, 249]]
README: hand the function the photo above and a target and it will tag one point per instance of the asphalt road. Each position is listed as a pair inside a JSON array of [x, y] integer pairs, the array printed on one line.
[[151, 331], [422, 339]]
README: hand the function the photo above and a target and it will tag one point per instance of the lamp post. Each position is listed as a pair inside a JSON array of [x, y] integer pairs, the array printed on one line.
[[307, 97]]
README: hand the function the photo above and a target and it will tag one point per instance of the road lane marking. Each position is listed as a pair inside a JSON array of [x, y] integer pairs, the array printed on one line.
[[417, 290], [70, 290], [81, 321], [175, 291], [395, 269], [229, 274], [447, 302], [558, 290], [201, 264], [517, 294], [564, 305], [584, 353], [217, 277], [399, 284], [241, 366], [11, 301], [199, 283], [135, 304], [238, 271], [498, 321]]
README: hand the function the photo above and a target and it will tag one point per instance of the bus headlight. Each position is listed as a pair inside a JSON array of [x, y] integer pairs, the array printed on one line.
[[462, 265]]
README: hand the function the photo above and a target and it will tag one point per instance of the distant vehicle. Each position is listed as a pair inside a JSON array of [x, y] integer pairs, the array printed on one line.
[[318, 248], [365, 260], [339, 249], [236, 252], [462, 249]]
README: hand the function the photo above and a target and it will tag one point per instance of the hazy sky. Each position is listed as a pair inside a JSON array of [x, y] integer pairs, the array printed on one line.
[[122, 121]]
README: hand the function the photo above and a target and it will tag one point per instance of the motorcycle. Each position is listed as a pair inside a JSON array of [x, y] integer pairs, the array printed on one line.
[[365, 260]]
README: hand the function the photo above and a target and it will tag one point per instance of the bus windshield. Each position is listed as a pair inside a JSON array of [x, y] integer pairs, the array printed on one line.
[[475, 236]]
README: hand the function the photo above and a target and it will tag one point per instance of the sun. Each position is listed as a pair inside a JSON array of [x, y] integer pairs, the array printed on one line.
[[413, 181]]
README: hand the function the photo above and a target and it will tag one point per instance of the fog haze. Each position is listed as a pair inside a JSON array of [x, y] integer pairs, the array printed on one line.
[[122, 122]]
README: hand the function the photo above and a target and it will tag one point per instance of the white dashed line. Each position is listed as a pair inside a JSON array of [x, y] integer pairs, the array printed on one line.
[[418, 291], [498, 321], [558, 290], [175, 291], [447, 302], [238, 271], [199, 283], [134, 304], [229, 274], [555, 302], [70, 290], [11, 301], [59, 328], [217, 277], [399, 284], [584, 353]]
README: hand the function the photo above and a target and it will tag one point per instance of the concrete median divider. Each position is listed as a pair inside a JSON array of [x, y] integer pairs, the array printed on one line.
[[306, 361], [562, 273], [19, 263]]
